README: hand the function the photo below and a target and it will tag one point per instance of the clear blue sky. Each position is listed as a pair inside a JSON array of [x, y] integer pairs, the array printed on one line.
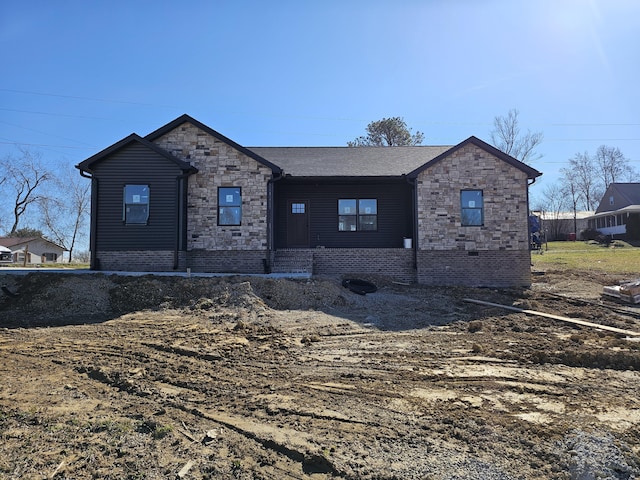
[[78, 76]]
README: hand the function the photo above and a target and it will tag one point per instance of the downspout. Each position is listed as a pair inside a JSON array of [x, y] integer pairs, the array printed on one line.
[[533, 180], [181, 207], [93, 229], [270, 218], [414, 195]]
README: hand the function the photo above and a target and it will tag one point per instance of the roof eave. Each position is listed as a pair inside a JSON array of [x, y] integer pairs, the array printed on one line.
[[85, 166]]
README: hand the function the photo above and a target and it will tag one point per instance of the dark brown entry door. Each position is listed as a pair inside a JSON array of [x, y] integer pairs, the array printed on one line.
[[298, 223]]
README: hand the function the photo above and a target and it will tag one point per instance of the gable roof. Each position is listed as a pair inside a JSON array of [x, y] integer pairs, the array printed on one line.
[[628, 193], [531, 172], [87, 164], [188, 119], [372, 161], [348, 161], [16, 241]]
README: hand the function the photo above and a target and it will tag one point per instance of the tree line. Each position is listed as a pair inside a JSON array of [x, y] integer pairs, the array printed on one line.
[[38, 200]]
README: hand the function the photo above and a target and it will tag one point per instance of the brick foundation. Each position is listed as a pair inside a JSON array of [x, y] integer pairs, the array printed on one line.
[[475, 268], [226, 261], [136, 261], [396, 263]]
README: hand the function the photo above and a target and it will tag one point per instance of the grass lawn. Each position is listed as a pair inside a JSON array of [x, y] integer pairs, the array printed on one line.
[[620, 257]]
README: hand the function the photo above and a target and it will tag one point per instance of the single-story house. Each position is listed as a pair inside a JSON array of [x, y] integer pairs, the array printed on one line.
[[563, 225], [37, 250], [618, 213], [187, 197]]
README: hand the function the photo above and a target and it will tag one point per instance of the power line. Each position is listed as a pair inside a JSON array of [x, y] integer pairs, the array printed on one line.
[[54, 114], [44, 133], [10, 142], [425, 122], [25, 92]]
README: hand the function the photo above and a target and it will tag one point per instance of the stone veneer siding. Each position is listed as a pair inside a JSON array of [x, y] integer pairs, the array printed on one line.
[[495, 254], [220, 165]]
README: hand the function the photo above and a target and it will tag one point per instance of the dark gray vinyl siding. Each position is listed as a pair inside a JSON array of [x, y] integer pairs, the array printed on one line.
[[136, 164], [394, 213]]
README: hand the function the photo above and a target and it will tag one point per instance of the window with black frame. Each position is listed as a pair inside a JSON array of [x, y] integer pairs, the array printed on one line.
[[229, 205], [136, 205], [357, 214], [471, 208]]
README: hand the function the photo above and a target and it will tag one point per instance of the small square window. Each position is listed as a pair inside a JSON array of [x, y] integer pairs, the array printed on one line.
[[297, 208]]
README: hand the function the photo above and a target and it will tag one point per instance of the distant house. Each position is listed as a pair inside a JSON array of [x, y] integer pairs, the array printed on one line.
[[37, 250], [5, 255], [618, 213], [562, 225], [186, 196]]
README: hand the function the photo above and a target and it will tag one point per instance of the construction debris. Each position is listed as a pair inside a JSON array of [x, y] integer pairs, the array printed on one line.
[[183, 473], [555, 317], [627, 292]]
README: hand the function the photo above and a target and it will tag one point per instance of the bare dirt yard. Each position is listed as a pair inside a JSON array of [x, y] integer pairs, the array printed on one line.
[[116, 377]]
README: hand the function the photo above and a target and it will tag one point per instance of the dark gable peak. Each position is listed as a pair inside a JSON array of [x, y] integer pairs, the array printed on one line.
[[86, 165]]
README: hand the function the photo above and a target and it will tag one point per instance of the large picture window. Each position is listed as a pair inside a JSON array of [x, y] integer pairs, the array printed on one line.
[[229, 205], [136, 204], [357, 214], [472, 208]]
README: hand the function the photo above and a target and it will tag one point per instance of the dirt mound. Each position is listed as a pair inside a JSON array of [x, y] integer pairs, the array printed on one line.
[[43, 299], [47, 299]]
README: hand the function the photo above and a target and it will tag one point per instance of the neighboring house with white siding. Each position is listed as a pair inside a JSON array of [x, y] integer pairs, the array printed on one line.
[[36, 250], [618, 213]]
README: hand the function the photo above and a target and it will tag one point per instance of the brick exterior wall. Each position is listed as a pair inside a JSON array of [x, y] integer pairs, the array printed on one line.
[[220, 165], [449, 253], [486, 269], [396, 263], [136, 260], [217, 261]]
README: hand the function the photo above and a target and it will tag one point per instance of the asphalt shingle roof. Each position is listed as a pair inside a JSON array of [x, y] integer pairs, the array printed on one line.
[[631, 192], [349, 161]]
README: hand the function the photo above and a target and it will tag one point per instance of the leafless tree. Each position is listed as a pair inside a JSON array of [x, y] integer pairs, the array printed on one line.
[[65, 212], [571, 190], [25, 176], [582, 170], [507, 136], [612, 166], [552, 204]]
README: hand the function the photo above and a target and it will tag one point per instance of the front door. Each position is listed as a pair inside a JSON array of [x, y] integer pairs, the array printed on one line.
[[298, 223]]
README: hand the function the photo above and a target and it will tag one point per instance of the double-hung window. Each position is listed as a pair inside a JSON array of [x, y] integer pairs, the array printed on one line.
[[471, 208], [229, 205], [136, 205], [357, 214]]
